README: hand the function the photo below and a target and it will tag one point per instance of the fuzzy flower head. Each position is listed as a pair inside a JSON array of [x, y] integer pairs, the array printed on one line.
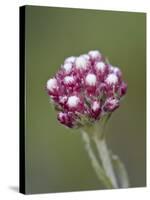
[[85, 89]]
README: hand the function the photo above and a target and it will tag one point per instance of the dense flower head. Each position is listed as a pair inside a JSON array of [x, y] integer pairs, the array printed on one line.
[[85, 89]]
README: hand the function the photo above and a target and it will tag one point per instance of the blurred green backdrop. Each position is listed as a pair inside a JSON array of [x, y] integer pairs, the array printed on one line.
[[56, 160]]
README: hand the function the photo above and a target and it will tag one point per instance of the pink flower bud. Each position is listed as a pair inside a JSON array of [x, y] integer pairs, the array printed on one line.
[[111, 104], [102, 70], [91, 79], [90, 83], [95, 109], [122, 89], [66, 118], [95, 56], [73, 101], [74, 104], [67, 67], [81, 63], [111, 79], [69, 81], [117, 71], [100, 67], [52, 88], [52, 84]]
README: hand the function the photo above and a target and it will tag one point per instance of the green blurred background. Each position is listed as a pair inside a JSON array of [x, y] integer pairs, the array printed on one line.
[[56, 160]]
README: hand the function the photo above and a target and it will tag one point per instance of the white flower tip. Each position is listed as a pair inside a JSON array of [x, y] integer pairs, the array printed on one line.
[[101, 66], [112, 79], [81, 62], [94, 54], [95, 106], [67, 67], [73, 101], [51, 84], [90, 79], [68, 79], [116, 70], [70, 59], [87, 57]]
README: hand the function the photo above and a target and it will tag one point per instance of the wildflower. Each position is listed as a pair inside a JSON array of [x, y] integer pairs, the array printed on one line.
[[84, 91], [86, 87]]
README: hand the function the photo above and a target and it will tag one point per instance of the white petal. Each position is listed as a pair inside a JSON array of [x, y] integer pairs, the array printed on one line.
[[95, 106], [90, 79], [67, 67], [86, 56], [94, 54], [81, 62], [73, 101], [51, 84], [70, 59], [68, 79], [101, 66], [111, 79]]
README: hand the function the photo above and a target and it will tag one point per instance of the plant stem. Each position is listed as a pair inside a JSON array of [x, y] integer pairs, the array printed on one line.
[[96, 165], [105, 159], [122, 174]]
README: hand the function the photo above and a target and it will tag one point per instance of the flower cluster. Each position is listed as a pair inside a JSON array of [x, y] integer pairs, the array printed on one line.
[[85, 89]]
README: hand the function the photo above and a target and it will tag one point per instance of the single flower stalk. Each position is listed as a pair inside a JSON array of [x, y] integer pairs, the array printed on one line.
[[85, 91]]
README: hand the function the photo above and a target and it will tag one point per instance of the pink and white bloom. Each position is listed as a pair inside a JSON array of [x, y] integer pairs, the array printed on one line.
[[111, 104], [86, 87]]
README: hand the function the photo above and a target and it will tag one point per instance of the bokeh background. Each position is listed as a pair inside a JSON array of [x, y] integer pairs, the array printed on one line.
[[56, 160]]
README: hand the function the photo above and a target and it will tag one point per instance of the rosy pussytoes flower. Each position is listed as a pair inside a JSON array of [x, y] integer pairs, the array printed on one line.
[[85, 89]]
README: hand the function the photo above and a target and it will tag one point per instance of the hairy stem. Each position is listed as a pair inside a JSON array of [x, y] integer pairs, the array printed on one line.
[[106, 160], [95, 163], [122, 174]]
